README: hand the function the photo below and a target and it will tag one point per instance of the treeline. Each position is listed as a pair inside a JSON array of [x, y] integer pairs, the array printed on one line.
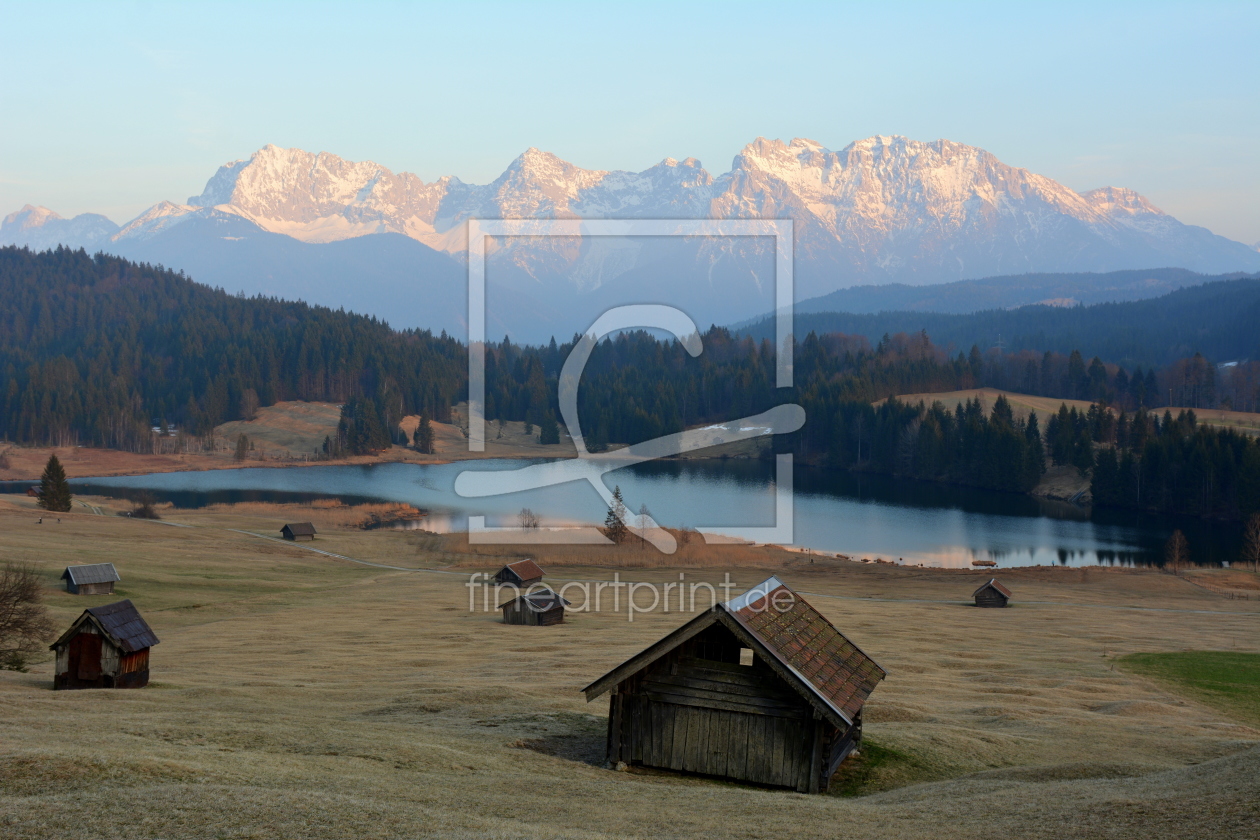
[[965, 446], [1176, 465], [1217, 319], [95, 349]]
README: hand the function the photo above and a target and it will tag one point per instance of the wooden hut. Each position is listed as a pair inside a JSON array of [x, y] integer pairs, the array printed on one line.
[[992, 594], [298, 531], [538, 609], [759, 689], [520, 573], [96, 579], [106, 647]]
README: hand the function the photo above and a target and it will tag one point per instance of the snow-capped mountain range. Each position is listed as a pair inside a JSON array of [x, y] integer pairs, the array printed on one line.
[[883, 209]]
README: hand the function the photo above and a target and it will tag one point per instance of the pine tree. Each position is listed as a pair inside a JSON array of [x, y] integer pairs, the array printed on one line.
[[423, 437], [549, 431], [615, 522], [242, 447], [54, 490]]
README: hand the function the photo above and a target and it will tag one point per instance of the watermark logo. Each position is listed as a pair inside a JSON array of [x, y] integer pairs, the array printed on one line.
[[631, 597], [591, 467]]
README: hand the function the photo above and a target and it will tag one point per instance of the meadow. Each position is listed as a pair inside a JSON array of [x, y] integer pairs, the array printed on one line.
[[296, 694]]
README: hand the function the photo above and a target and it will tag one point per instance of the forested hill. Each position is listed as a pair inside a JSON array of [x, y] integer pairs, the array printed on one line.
[[94, 348], [1216, 319]]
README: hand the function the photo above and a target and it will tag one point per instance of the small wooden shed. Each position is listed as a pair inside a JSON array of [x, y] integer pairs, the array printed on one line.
[[992, 594], [759, 689], [298, 531], [520, 573], [538, 609], [106, 647], [96, 579]]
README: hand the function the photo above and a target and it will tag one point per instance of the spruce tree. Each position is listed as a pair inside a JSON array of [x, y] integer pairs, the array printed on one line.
[[423, 437], [549, 431], [615, 522], [54, 490]]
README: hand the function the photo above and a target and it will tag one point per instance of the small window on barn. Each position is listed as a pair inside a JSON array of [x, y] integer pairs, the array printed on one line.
[[745, 656]]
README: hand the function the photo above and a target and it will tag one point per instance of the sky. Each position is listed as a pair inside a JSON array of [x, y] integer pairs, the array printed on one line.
[[110, 108]]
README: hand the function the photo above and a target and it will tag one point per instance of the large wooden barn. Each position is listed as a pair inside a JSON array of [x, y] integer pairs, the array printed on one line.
[[992, 594], [96, 579], [520, 573], [538, 609], [106, 647], [759, 689]]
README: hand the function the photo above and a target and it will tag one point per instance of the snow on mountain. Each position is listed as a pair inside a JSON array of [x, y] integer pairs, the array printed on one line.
[[41, 228], [882, 209]]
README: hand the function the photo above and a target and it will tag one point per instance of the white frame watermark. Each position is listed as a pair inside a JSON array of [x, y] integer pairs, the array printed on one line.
[[587, 466]]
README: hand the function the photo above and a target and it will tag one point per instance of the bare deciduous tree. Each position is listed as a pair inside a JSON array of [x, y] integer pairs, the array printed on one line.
[[528, 520], [1251, 542], [1176, 552], [24, 623]]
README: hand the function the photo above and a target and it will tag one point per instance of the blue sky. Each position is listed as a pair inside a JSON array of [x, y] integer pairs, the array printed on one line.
[[112, 107]]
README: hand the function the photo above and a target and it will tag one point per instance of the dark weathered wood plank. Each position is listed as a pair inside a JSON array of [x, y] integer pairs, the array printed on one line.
[[719, 741], [752, 689], [638, 662], [667, 735], [694, 702], [695, 740], [697, 689], [813, 769], [737, 740]]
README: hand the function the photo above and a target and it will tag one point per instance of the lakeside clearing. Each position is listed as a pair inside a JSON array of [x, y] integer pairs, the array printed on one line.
[[1023, 404], [297, 694]]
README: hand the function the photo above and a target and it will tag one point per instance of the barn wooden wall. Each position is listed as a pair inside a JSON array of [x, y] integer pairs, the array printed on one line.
[[714, 716], [990, 598]]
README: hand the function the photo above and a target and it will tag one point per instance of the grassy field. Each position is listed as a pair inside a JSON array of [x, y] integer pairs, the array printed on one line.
[[1227, 680], [299, 695]]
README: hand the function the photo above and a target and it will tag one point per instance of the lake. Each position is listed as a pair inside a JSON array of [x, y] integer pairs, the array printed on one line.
[[854, 514]]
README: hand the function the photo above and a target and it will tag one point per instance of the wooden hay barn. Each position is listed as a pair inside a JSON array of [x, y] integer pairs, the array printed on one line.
[[759, 689], [992, 594], [96, 579], [106, 647], [298, 531], [539, 609], [520, 573]]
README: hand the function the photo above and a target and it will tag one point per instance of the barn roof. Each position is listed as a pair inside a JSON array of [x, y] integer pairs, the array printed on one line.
[[541, 601], [121, 623], [995, 585], [95, 573], [300, 529], [525, 569], [802, 646]]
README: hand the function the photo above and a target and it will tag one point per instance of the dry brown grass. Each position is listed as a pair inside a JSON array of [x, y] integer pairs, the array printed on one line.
[[296, 695]]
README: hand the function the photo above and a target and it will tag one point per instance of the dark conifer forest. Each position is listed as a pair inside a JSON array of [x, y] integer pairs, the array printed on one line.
[[95, 350]]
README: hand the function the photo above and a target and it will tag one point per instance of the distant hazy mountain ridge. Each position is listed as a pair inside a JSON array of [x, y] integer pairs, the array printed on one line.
[[883, 209]]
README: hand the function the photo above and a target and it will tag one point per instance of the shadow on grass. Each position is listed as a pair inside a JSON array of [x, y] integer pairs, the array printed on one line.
[[878, 768]]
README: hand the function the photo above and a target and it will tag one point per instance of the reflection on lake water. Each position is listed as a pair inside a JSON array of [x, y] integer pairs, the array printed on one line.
[[859, 515]]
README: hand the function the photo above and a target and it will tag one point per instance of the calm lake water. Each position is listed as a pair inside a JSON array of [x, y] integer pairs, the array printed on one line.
[[867, 516]]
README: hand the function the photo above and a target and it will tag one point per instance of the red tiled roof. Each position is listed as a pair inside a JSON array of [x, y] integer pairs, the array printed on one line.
[[993, 583], [835, 668], [526, 569]]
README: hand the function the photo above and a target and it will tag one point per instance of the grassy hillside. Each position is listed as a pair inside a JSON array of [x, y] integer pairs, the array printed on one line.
[[297, 695]]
